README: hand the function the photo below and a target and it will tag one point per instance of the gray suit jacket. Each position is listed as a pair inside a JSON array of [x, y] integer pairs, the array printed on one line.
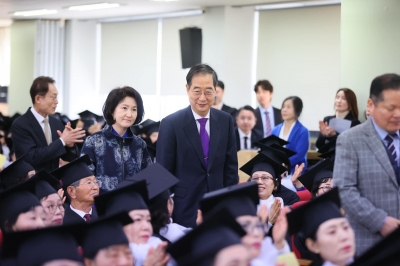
[[367, 183]]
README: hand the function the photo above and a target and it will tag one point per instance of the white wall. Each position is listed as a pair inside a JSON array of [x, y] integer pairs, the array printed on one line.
[[299, 53], [369, 45]]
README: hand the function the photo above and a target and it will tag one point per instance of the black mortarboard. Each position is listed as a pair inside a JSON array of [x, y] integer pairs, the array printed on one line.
[[283, 156], [45, 184], [308, 217], [144, 124], [73, 171], [87, 115], [268, 161], [105, 232], [36, 247], [150, 128], [328, 150], [74, 123], [272, 139], [316, 173], [100, 119], [123, 199], [243, 197], [385, 252], [202, 244], [15, 172], [158, 180]]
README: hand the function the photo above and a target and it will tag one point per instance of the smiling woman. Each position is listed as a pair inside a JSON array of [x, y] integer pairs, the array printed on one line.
[[116, 153]]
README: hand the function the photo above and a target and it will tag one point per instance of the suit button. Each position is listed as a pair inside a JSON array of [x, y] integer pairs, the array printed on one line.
[[208, 174]]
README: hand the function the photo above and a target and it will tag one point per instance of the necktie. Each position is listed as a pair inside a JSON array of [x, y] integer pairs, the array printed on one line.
[[245, 142], [267, 125], [47, 130], [391, 148], [87, 217], [205, 139]]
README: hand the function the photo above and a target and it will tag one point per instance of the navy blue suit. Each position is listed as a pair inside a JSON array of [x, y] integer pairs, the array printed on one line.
[[179, 150]]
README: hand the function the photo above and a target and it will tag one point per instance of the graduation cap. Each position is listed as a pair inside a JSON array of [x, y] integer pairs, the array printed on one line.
[[328, 150], [272, 139], [87, 115], [242, 197], [385, 252], [144, 124], [105, 232], [45, 184], [73, 171], [36, 247], [202, 244], [15, 172], [308, 217], [123, 199], [268, 161], [323, 169], [158, 180], [150, 128], [74, 123]]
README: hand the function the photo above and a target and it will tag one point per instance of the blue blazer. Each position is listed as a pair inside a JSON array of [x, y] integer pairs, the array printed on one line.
[[299, 141], [179, 150]]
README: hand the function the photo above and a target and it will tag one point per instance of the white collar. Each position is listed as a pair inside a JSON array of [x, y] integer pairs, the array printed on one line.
[[79, 212], [242, 135], [270, 199], [38, 116], [269, 109], [196, 116]]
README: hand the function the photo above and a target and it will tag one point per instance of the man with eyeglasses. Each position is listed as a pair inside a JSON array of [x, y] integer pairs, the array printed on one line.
[[81, 186], [42, 137], [197, 145]]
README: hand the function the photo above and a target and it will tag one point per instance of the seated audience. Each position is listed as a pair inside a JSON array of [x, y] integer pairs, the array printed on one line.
[[245, 135], [293, 131], [80, 186], [345, 108], [116, 153]]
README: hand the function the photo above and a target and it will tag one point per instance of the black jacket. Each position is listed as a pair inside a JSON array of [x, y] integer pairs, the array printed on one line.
[[321, 141], [255, 136], [28, 137], [71, 217]]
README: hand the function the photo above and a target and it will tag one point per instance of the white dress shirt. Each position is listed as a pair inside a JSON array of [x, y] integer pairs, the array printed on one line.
[[281, 134], [270, 111], [80, 213], [40, 120], [196, 116], [219, 106], [241, 137]]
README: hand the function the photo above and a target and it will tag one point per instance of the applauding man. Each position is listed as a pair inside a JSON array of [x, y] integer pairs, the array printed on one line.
[[41, 136]]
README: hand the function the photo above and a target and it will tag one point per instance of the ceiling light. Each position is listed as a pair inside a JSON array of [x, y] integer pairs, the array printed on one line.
[[34, 12], [298, 4], [93, 6], [178, 14]]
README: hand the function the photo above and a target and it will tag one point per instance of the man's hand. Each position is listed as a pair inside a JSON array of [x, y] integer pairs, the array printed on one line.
[[389, 225], [199, 218], [71, 136], [274, 211]]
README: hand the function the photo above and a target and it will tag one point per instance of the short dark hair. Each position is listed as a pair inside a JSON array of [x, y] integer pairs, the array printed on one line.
[[297, 104], [351, 99], [201, 69], [221, 85], [115, 97], [247, 108], [40, 86], [316, 185], [381, 83], [265, 85]]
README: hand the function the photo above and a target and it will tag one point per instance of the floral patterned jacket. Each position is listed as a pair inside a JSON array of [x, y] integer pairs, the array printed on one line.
[[115, 158]]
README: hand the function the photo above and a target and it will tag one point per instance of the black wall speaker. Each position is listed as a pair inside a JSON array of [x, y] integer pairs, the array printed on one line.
[[191, 43]]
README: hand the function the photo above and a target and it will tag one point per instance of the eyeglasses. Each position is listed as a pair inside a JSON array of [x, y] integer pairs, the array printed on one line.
[[249, 227], [91, 184], [53, 208], [54, 97], [264, 179], [325, 188], [207, 93]]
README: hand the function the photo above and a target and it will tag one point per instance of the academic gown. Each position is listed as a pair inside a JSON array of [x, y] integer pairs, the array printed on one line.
[[72, 217], [289, 197]]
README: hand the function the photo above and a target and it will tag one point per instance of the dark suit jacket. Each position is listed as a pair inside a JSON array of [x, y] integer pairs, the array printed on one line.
[[259, 125], [321, 141], [230, 110], [254, 138], [179, 150], [71, 217], [28, 137]]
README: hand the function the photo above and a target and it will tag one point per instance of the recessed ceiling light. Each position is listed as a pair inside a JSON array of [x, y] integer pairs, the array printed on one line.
[[93, 6], [34, 12]]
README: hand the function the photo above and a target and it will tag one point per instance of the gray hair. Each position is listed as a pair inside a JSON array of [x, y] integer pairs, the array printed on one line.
[[201, 69]]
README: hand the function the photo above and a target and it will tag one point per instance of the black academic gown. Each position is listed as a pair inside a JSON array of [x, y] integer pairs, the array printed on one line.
[[71, 217], [289, 197]]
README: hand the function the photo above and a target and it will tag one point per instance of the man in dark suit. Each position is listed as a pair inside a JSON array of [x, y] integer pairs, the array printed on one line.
[[80, 186], [267, 115], [43, 138], [197, 145], [245, 135], [218, 104]]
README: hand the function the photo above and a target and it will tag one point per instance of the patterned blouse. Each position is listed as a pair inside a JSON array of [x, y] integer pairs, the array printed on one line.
[[115, 158]]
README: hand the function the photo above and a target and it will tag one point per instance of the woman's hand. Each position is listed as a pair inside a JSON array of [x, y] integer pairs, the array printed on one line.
[[263, 213], [297, 172], [60, 193], [280, 229], [158, 256], [274, 211], [199, 219], [326, 130]]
